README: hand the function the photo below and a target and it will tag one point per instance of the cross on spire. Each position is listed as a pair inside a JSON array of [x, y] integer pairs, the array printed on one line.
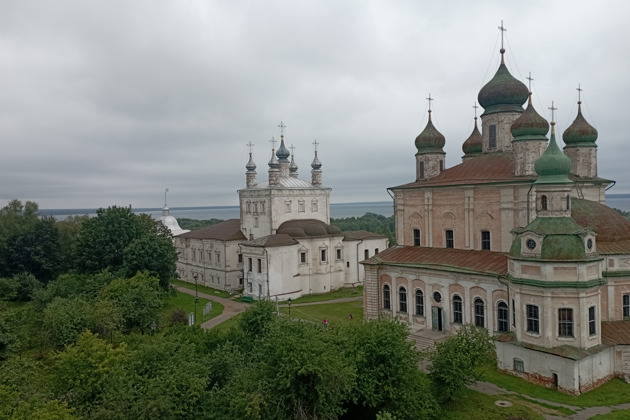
[[430, 99], [282, 127], [579, 89], [250, 146], [475, 107], [502, 29], [315, 143], [292, 147], [165, 191], [552, 108], [273, 143], [529, 77]]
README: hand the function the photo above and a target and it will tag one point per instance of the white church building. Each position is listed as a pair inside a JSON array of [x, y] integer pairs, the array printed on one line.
[[283, 245]]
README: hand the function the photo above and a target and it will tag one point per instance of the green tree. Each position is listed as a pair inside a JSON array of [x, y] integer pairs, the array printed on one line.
[[154, 254], [294, 372], [457, 361], [139, 299], [384, 359], [119, 240], [68, 233], [82, 370], [257, 318]]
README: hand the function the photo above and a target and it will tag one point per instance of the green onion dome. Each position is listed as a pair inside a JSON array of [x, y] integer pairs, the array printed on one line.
[[430, 140], [530, 125], [473, 145], [580, 132], [553, 166], [503, 93]]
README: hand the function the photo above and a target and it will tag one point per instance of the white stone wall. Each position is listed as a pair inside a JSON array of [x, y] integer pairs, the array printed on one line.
[[503, 122], [269, 208], [573, 376], [215, 263], [353, 252], [583, 161], [525, 155]]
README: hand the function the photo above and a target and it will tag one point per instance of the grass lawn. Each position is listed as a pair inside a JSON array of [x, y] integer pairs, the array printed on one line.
[[230, 323], [200, 288], [613, 392], [475, 406], [334, 312], [344, 292], [615, 415], [187, 303]]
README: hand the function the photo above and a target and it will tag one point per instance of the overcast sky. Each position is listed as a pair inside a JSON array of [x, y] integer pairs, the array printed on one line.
[[110, 102]]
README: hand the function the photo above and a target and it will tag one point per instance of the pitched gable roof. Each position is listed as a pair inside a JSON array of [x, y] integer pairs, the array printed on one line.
[[229, 230]]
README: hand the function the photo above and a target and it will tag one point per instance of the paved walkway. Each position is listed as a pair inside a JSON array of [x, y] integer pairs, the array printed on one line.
[[231, 307], [580, 413]]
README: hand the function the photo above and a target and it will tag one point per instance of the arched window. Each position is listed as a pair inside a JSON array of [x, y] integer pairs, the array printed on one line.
[[419, 303], [458, 310], [543, 202], [568, 202], [402, 299], [502, 317], [480, 320], [386, 297]]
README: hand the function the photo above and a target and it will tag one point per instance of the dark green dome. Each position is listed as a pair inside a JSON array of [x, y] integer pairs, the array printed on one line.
[[473, 145], [530, 125], [580, 132], [503, 93], [430, 140], [562, 238], [553, 166]]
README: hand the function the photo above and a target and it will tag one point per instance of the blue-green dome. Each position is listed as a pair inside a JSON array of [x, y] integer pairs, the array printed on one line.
[[474, 142], [553, 166], [503, 93]]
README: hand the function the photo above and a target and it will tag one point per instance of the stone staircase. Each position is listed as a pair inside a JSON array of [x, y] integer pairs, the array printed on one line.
[[425, 339]]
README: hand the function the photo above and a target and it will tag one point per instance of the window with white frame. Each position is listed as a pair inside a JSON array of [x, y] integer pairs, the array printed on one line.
[[625, 304], [592, 326], [480, 315], [402, 299], [503, 323], [533, 319], [314, 206], [416, 237], [301, 206], [458, 310], [485, 239], [565, 322], [419, 303], [386, 297], [449, 238]]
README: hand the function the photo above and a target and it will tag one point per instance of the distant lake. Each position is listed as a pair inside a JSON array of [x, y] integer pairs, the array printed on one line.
[[337, 211]]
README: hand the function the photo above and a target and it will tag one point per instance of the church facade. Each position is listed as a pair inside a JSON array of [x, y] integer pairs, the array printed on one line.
[[516, 239], [283, 245]]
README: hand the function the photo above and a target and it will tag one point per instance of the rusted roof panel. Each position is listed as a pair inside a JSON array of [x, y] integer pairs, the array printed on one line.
[[613, 230], [486, 168], [616, 332], [485, 262], [356, 235], [272, 240], [228, 230]]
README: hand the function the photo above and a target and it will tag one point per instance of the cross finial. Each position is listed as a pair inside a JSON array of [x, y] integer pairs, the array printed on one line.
[[165, 191], [552, 108], [282, 127], [502, 29], [430, 99], [250, 146], [475, 107], [315, 143], [529, 77], [273, 143], [579, 89], [292, 147]]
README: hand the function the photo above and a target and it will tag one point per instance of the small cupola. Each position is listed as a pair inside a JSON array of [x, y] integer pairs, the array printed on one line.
[[473, 145]]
